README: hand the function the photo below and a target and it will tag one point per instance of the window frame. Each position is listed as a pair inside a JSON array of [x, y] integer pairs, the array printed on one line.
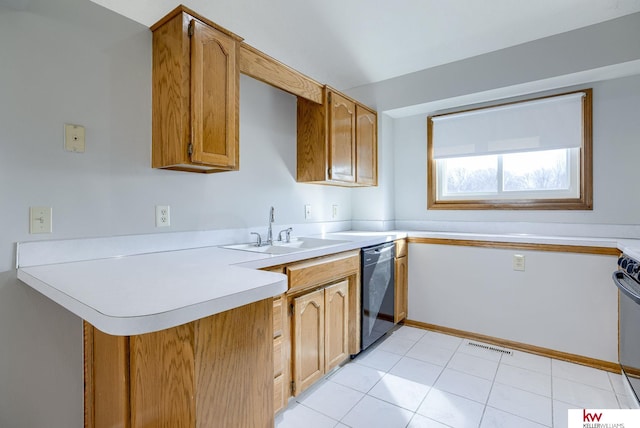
[[583, 202]]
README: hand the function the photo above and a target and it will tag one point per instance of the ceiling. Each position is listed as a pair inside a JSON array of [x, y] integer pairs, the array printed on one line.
[[349, 43]]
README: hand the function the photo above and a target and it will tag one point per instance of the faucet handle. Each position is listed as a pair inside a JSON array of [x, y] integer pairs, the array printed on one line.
[[287, 234], [259, 240]]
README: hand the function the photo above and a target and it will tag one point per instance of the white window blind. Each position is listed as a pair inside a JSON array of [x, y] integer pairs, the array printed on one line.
[[542, 124]]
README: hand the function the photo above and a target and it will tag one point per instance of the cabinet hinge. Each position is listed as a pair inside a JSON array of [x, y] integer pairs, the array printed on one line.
[[293, 387], [190, 149], [190, 30], [329, 172], [291, 310], [329, 98]]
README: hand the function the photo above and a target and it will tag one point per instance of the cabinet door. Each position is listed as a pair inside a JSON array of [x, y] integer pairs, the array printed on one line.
[[342, 139], [214, 97], [308, 338], [401, 289], [336, 343], [366, 147]]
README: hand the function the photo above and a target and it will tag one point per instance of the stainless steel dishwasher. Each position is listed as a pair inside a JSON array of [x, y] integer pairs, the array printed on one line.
[[377, 294]]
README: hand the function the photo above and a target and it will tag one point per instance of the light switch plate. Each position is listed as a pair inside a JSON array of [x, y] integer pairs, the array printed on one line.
[[334, 211], [307, 212], [40, 220], [74, 138]]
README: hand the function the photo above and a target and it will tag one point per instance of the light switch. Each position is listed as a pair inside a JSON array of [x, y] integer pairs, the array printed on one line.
[[518, 262], [307, 212], [334, 211], [74, 138], [40, 220]]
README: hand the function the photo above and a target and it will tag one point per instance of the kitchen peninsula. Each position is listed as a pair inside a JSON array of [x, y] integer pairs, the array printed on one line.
[[171, 337]]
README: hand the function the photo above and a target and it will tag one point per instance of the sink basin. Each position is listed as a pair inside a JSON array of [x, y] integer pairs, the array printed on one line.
[[296, 245]]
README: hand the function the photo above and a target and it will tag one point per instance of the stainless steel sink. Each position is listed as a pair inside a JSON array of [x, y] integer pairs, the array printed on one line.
[[296, 245]]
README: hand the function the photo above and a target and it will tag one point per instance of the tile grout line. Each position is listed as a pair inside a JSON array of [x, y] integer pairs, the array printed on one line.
[[493, 382]]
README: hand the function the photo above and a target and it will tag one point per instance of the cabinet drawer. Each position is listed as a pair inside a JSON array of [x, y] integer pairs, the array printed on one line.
[[401, 248], [278, 357], [322, 270], [278, 394], [278, 316]]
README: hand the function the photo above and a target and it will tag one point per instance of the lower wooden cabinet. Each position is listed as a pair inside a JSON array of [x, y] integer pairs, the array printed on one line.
[[213, 372], [336, 325], [308, 340], [281, 349], [401, 286], [321, 333]]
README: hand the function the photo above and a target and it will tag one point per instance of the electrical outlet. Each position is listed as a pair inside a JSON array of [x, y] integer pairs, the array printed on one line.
[[163, 216], [518, 262], [307, 212], [334, 211], [74, 138], [40, 220]]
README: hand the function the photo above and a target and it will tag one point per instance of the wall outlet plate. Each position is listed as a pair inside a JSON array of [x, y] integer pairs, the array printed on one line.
[[518, 262], [163, 216], [334, 211]]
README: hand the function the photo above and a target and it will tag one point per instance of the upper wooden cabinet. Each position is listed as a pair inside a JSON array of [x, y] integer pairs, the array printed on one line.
[[196, 80], [337, 141]]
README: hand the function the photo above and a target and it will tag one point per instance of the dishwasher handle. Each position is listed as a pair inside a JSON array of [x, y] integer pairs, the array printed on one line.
[[621, 279], [379, 253]]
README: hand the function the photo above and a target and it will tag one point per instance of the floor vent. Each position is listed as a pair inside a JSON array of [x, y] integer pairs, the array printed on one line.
[[490, 348]]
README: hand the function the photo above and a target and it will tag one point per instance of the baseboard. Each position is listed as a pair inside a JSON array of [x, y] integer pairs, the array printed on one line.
[[545, 352]]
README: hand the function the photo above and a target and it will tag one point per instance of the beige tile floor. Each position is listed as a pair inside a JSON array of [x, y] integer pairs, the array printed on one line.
[[416, 378]]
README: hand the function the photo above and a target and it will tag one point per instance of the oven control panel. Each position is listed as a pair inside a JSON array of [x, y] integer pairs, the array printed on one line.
[[630, 266]]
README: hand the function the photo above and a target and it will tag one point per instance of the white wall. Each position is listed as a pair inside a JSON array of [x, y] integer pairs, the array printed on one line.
[[615, 164], [609, 48], [565, 302], [75, 62]]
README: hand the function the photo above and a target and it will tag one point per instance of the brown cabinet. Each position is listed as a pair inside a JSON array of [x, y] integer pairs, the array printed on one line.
[[337, 141], [196, 79], [308, 339], [214, 372], [401, 282], [336, 325], [281, 351], [321, 322], [321, 333]]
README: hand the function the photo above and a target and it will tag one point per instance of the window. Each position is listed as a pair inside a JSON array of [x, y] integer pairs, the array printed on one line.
[[533, 154]]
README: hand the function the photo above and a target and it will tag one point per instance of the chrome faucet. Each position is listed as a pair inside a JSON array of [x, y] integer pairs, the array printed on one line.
[[287, 233], [270, 231], [259, 240]]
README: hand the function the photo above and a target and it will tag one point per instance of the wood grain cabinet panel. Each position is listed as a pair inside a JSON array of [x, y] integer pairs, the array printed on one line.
[[342, 138], [321, 333], [308, 339], [367, 146], [336, 346], [337, 141], [401, 289], [195, 99], [213, 372]]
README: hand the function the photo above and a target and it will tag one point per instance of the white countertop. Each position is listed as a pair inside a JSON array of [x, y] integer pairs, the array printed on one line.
[[142, 293]]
